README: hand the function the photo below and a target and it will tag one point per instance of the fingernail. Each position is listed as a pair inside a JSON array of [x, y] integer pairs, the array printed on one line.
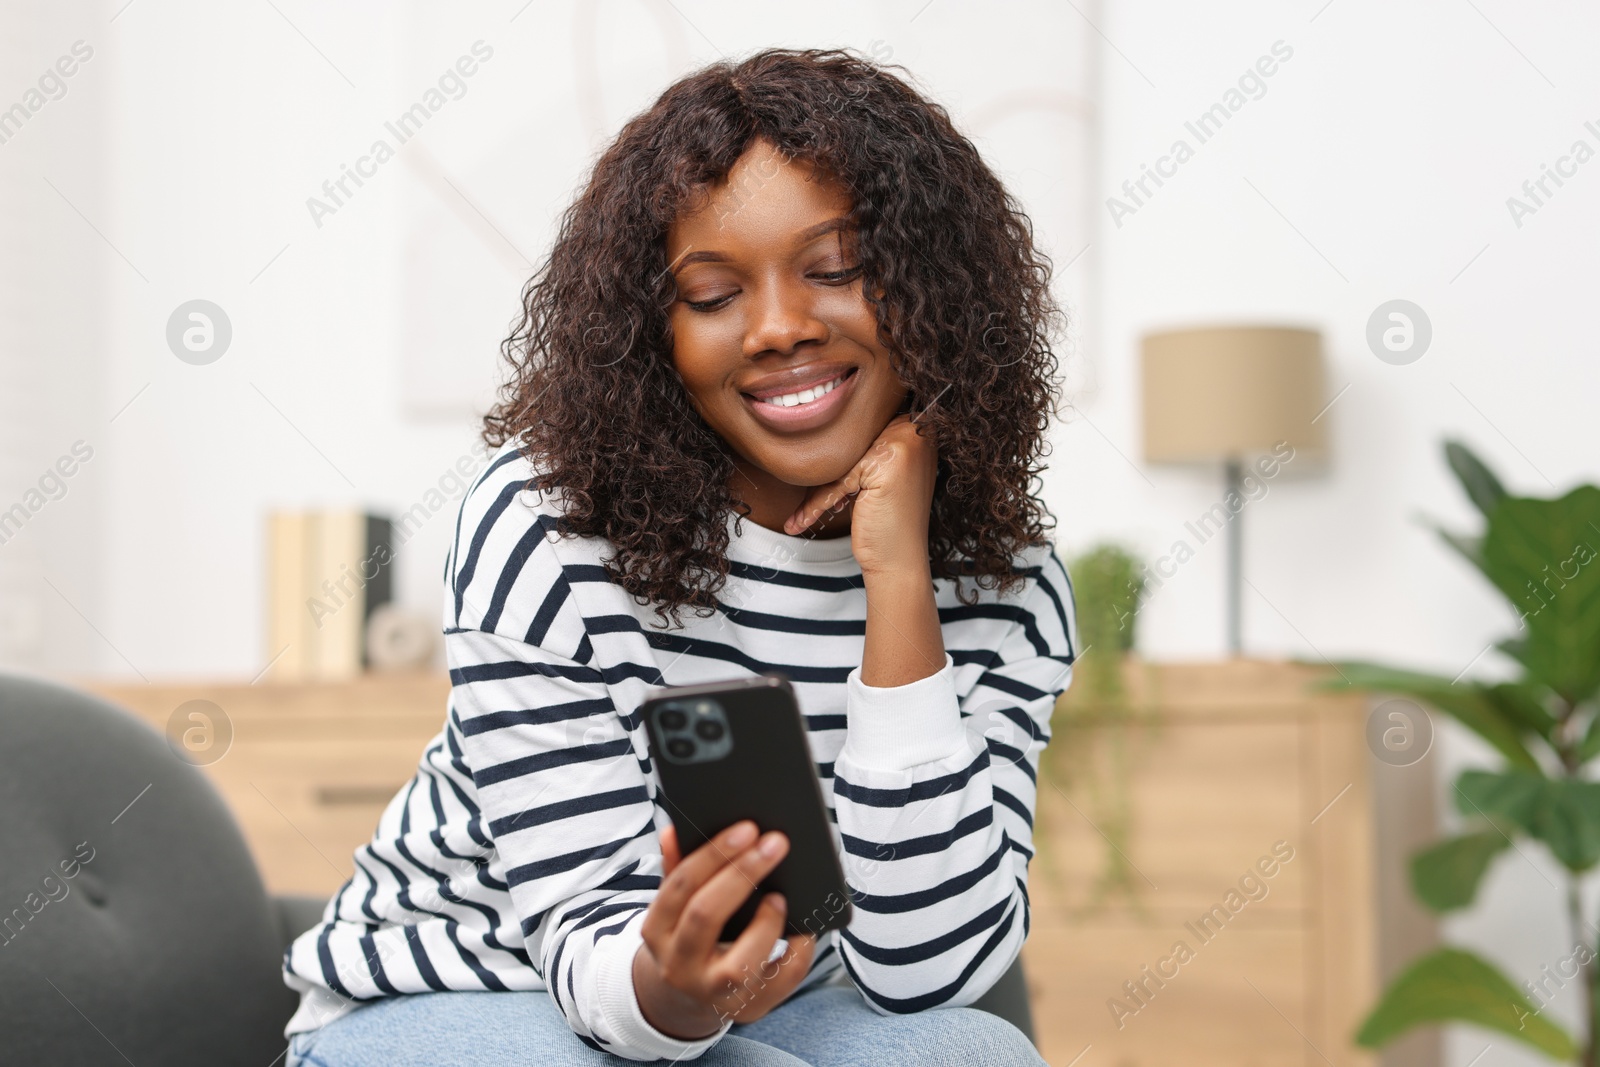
[[772, 847], [742, 834], [778, 904]]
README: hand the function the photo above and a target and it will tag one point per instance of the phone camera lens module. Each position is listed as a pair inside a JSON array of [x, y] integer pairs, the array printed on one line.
[[690, 729]]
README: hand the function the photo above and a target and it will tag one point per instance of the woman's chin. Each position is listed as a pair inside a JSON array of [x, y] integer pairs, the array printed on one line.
[[811, 472]]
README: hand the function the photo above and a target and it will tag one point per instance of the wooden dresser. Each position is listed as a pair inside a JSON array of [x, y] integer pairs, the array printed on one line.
[[1235, 758], [311, 765]]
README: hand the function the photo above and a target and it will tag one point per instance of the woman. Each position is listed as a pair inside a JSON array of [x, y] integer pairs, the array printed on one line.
[[787, 371]]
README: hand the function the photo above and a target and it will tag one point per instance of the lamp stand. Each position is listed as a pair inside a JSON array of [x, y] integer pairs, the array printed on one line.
[[1234, 471]]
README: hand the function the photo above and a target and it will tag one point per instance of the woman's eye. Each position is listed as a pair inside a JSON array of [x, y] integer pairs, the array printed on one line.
[[708, 305], [839, 277], [833, 277]]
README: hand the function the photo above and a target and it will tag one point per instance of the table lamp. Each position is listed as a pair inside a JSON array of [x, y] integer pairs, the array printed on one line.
[[1227, 394]]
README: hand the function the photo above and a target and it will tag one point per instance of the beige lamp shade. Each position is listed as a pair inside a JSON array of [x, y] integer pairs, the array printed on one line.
[[1225, 392]]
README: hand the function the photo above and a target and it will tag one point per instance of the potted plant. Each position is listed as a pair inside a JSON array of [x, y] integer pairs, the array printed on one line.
[[1091, 725], [1541, 554]]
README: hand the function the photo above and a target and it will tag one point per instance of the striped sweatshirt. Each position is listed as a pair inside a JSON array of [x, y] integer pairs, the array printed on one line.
[[523, 853]]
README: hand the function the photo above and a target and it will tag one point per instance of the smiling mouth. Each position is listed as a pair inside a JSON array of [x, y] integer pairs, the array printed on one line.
[[804, 408], [805, 396]]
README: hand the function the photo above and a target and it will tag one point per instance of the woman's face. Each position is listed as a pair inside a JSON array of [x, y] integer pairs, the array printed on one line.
[[772, 337]]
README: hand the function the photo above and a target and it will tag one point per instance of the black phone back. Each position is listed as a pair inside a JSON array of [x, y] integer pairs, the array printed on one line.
[[737, 750]]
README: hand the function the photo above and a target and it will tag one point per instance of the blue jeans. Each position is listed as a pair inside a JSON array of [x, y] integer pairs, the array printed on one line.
[[826, 1026]]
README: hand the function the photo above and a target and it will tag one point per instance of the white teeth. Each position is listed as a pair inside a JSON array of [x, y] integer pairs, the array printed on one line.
[[805, 396]]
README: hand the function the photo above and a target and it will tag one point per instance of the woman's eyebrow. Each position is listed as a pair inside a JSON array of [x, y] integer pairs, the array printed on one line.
[[832, 225], [705, 255], [805, 236]]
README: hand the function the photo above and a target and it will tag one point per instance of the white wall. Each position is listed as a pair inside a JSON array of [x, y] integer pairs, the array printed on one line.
[[1390, 141], [55, 288]]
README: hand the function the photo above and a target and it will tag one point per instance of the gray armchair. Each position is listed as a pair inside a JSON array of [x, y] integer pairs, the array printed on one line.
[[133, 923]]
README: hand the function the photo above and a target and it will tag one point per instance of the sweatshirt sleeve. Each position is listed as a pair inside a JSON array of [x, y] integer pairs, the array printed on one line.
[[562, 789], [935, 797]]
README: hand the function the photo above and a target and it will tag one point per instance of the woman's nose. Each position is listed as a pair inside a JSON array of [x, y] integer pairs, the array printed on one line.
[[781, 319]]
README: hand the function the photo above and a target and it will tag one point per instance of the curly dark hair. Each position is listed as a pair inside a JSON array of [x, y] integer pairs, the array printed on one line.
[[961, 296]]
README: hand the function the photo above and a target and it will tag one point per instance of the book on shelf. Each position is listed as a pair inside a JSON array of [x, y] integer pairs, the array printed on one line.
[[326, 572]]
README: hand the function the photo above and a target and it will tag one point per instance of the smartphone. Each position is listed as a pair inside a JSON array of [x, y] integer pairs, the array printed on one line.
[[735, 750]]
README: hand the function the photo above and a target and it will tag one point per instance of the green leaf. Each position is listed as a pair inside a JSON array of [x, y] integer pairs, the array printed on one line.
[[1108, 582], [1465, 702], [1544, 555], [1516, 648], [1591, 740], [1561, 812], [1522, 705], [1470, 548], [1479, 481], [1446, 876], [1455, 986]]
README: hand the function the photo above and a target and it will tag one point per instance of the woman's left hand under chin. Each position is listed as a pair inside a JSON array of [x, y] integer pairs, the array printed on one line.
[[890, 494]]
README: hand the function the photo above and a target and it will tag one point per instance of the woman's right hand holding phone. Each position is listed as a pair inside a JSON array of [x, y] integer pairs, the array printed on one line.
[[688, 983]]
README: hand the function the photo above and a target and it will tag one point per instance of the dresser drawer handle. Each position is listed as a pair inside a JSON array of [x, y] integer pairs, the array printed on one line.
[[336, 795]]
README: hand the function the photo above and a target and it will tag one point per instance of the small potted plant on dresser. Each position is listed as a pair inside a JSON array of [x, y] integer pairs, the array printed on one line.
[[1202, 888], [1095, 730]]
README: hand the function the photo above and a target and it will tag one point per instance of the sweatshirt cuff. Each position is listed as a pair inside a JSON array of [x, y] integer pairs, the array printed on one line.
[[896, 728], [629, 1033]]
